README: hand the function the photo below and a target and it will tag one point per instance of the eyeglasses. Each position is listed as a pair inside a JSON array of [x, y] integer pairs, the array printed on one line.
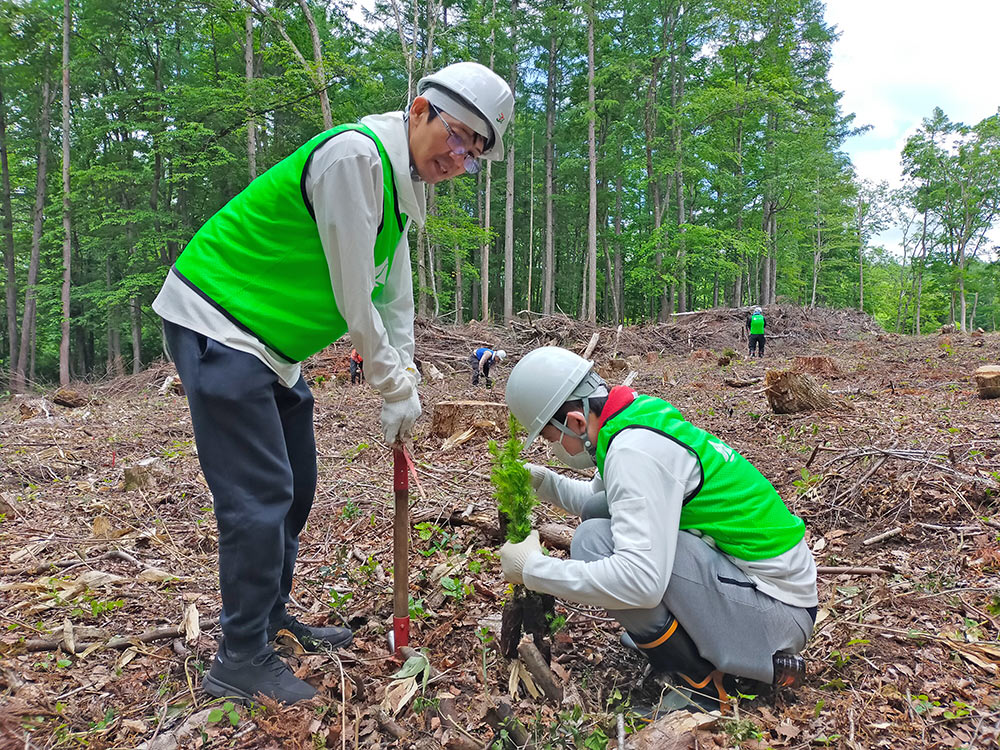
[[458, 146]]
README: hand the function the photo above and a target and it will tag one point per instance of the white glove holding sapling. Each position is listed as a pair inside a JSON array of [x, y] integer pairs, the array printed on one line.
[[398, 417], [538, 475], [514, 556]]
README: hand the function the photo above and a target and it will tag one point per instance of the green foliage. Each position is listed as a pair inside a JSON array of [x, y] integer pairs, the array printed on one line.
[[227, 713], [745, 121], [438, 540], [806, 481], [512, 484]]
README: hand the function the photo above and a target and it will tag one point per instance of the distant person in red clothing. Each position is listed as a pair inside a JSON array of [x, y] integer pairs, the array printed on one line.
[[357, 367]]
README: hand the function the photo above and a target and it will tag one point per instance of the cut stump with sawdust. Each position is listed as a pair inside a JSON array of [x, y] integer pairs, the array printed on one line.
[[451, 417], [988, 381], [790, 392]]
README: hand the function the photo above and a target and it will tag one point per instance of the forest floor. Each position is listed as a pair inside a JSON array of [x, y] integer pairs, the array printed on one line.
[[108, 575]]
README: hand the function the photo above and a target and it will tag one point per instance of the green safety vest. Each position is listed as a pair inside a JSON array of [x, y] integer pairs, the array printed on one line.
[[734, 504], [260, 261], [757, 323]]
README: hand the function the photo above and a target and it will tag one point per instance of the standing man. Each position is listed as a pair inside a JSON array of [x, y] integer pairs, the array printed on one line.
[[683, 541], [755, 325], [485, 358], [312, 249], [357, 367]]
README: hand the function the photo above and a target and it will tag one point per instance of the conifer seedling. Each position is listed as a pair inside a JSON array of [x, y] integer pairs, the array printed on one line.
[[527, 611]]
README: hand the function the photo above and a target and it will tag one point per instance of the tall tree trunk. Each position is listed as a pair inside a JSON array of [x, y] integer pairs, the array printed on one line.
[[484, 271], [920, 275], [30, 290], [961, 288], [548, 292], [817, 254], [8, 237], [508, 239], [135, 316], [67, 221], [320, 74], [114, 364], [251, 123], [421, 275], [592, 158], [678, 69], [459, 259], [431, 264], [315, 72], [617, 292], [531, 216]]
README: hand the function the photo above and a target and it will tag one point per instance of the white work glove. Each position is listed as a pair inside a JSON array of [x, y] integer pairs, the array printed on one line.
[[513, 557], [538, 475], [398, 417]]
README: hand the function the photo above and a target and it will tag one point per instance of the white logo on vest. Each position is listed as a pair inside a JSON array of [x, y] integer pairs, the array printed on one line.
[[724, 450]]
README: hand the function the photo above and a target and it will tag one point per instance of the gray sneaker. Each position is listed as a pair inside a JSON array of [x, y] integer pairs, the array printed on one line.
[[263, 673]]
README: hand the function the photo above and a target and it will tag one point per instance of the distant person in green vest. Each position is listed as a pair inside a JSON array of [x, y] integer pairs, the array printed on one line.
[[756, 325], [314, 248], [683, 541], [484, 359]]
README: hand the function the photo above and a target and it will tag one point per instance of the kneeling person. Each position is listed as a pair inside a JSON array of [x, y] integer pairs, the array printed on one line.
[[683, 541]]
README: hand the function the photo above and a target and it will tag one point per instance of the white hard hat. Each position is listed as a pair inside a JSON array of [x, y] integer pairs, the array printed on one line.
[[757, 310], [544, 380], [500, 354], [486, 93]]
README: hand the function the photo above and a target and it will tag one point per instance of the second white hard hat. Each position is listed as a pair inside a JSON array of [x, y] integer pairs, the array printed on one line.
[[486, 93]]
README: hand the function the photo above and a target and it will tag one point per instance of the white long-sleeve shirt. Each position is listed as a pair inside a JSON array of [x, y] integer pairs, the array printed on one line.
[[344, 184], [652, 474]]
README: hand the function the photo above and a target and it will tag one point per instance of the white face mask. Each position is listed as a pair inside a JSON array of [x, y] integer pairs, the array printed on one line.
[[581, 460]]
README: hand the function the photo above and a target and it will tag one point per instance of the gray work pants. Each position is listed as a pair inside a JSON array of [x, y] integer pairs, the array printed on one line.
[[736, 627]]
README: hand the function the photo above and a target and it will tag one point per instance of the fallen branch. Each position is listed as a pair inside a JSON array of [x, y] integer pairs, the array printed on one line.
[[856, 571], [118, 642], [70, 562], [389, 726], [883, 536], [735, 383], [501, 718], [540, 671]]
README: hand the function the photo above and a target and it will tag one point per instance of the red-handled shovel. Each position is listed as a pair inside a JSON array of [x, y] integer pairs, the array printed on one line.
[[401, 550]]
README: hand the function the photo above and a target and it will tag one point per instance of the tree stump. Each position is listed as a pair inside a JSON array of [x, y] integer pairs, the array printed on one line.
[[454, 416], [612, 369], [69, 397], [988, 381], [816, 366], [789, 392]]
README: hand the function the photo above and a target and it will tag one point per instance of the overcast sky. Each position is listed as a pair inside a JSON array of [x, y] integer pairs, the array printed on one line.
[[898, 59]]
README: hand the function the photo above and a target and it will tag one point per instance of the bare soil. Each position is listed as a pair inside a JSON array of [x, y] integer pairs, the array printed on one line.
[[906, 649]]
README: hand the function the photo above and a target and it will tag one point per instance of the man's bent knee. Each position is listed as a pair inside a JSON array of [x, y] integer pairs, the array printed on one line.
[[592, 540]]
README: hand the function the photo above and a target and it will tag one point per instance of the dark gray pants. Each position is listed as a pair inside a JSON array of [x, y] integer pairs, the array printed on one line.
[[474, 364], [735, 627], [258, 453], [757, 342]]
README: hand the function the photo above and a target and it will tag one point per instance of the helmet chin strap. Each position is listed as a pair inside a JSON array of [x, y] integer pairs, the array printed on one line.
[[563, 428], [414, 174]]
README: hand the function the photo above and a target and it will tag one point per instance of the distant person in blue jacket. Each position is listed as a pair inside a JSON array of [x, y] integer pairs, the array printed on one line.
[[482, 359]]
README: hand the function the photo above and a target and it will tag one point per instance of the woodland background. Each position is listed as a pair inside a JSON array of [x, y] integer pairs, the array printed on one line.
[[663, 157]]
